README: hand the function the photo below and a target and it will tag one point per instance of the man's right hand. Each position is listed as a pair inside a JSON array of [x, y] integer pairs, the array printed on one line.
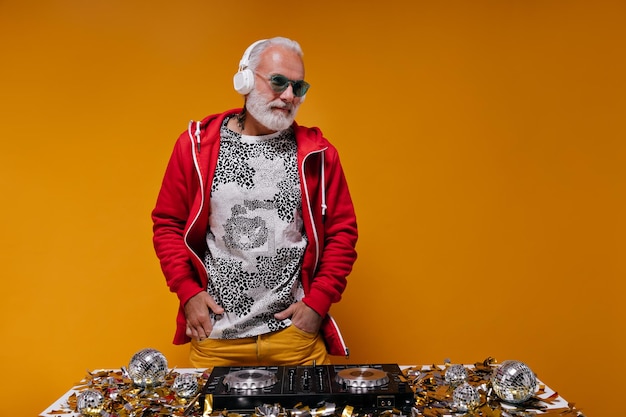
[[197, 309]]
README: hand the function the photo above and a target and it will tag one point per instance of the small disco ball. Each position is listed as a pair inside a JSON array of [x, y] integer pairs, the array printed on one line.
[[513, 382], [185, 385], [465, 397], [455, 375], [147, 367], [90, 402]]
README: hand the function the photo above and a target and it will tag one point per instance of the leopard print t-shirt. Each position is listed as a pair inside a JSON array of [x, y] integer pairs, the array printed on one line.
[[256, 237]]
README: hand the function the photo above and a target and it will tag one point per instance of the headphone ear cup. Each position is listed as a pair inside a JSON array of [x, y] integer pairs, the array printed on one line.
[[243, 81]]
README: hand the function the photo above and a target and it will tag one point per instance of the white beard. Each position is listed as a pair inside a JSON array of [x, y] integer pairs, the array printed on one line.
[[263, 111]]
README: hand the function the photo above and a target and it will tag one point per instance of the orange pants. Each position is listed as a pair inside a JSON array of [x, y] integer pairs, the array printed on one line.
[[290, 346]]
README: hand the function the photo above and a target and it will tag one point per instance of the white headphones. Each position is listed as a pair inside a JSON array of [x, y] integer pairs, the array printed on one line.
[[244, 78]]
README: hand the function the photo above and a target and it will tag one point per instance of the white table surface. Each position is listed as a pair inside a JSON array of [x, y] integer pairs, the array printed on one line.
[[63, 410]]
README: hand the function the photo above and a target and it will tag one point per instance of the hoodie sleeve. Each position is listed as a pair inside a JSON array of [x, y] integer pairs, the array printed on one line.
[[337, 233], [171, 217]]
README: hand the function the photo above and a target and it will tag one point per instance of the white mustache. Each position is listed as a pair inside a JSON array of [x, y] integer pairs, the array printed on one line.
[[281, 105]]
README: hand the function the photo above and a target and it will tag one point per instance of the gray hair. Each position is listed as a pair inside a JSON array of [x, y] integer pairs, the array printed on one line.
[[255, 55]]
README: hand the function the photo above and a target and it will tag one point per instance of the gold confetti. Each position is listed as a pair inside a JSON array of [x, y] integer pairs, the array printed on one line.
[[433, 396], [123, 399]]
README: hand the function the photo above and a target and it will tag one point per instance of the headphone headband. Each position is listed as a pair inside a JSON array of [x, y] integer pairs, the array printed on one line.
[[245, 59]]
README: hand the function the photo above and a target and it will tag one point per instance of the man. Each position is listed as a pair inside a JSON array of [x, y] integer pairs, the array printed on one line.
[[254, 225]]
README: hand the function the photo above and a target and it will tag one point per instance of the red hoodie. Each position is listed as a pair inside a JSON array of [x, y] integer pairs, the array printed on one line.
[[181, 218]]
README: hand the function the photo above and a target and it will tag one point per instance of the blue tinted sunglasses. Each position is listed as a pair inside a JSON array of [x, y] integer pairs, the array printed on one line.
[[279, 83]]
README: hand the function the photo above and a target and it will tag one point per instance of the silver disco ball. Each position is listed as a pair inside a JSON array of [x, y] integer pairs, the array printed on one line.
[[465, 397], [455, 375], [185, 385], [514, 382], [90, 402], [147, 367]]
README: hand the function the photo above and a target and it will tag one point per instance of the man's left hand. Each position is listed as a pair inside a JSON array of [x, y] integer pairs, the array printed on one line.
[[302, 316]]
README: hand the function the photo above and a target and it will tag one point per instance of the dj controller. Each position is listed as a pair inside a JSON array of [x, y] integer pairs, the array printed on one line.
[[364, 387]]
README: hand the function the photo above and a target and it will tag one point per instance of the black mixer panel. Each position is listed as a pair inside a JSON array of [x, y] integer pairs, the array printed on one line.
[[365, 387]]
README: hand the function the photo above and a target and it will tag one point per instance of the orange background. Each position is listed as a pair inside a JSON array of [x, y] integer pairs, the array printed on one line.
[[483, 142]]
